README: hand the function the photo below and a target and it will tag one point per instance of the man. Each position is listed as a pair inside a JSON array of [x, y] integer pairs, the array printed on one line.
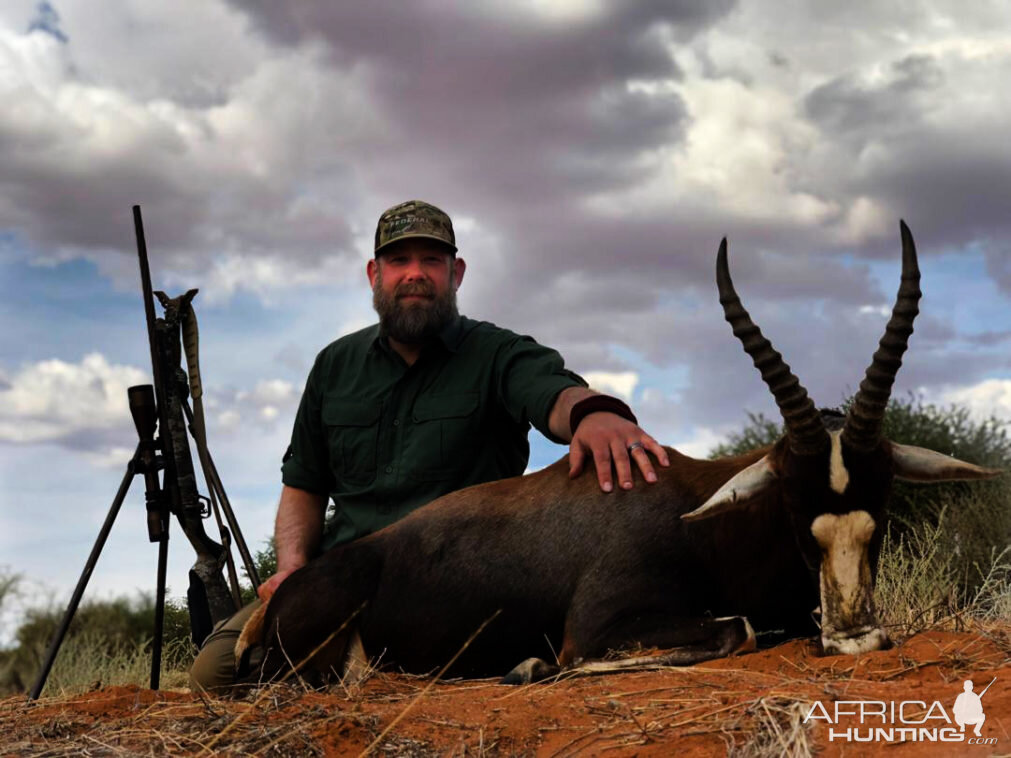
[[968, 708], [424, 403]]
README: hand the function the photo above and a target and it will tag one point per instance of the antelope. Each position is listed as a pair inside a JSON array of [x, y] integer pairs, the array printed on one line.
[[694, 564]]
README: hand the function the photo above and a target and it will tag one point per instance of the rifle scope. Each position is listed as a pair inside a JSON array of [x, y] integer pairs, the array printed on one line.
[[143, 410]]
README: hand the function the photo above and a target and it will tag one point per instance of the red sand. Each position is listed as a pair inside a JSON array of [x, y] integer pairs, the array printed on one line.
[[745, 702]]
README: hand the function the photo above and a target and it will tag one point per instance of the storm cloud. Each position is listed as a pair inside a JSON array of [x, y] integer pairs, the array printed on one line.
[[592, 153]]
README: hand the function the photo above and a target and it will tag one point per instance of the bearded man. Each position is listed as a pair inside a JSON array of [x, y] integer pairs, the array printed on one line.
[[421, 404]]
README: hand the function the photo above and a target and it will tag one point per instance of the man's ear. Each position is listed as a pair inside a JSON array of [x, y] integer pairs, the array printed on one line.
[[459, 267], [370, 270]]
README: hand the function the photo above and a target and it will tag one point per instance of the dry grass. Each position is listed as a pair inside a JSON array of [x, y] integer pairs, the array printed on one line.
[[752, 706], [84, 664], [920, 584], [777, 731]]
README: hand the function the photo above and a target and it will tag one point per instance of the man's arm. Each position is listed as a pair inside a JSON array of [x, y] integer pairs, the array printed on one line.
[[298, 530], [604, 437]]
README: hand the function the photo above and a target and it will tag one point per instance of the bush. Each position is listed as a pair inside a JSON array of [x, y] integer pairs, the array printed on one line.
[[921, 583], [8, 585], [759, 432], [109, 641], [112, 634]]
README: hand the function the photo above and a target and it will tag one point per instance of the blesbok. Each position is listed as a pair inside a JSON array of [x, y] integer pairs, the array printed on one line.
[[692, 564]]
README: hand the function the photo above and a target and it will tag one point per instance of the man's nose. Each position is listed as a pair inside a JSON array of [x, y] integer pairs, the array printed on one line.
[[414, 270]]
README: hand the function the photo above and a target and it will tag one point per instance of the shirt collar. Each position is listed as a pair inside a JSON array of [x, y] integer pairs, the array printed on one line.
[[451, 336]]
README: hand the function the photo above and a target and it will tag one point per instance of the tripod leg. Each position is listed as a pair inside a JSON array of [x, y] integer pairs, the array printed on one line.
[[233, 578], [159, 609], [82, 583]]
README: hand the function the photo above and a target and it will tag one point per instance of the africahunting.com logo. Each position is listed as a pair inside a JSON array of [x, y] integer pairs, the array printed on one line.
[[905, 720]]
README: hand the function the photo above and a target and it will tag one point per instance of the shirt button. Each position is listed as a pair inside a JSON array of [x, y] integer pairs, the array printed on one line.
[[389, 469], [396, 422]]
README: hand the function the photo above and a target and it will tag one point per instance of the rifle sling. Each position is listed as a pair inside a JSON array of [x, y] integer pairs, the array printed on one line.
[[191, 348]]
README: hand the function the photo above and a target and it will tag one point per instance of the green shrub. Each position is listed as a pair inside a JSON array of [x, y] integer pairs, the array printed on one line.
[[758, 432], [109, 641], [8, 585], [111, 632]]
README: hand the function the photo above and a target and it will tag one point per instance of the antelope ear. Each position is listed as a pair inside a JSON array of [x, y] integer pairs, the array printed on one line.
[[737, 491], [918, 464]]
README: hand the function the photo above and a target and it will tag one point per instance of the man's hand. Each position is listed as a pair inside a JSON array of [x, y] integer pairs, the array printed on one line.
[[606, 437], [269, 587], [297, 533]]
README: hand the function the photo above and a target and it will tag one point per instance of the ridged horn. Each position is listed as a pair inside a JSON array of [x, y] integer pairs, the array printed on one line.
[[805, 430], [862, 431]]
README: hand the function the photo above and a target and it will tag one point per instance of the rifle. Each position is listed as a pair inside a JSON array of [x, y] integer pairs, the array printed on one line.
[[987, 687], [208, 597], [164, 407]]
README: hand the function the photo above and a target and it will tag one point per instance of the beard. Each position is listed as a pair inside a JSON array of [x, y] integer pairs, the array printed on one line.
[[416, 322]]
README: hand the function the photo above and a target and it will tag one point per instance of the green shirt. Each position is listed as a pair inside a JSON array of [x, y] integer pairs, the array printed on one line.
[[383, 438]]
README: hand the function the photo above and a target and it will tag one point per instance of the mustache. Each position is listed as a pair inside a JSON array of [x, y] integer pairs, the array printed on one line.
[[423, 289]]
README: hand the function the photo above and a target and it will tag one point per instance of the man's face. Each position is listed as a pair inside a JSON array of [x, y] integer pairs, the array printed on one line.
[[414, 289]]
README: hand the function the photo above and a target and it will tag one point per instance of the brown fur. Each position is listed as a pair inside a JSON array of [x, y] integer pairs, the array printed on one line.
[[543, 524]]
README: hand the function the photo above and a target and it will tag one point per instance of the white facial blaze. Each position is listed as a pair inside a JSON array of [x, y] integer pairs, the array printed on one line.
[[848, 623], [843, 540], [838, 476]]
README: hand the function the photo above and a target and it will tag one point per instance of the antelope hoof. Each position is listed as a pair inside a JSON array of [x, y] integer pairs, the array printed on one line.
[[749, 642], [855, 642], [531, 670]]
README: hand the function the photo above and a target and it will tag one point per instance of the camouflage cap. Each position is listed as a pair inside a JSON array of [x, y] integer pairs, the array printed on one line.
[[415, 218]]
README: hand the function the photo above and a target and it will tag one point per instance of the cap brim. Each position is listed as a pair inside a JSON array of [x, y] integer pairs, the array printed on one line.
[[384, 246]]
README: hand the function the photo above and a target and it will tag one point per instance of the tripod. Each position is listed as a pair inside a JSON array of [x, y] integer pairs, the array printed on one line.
[[163, 407]]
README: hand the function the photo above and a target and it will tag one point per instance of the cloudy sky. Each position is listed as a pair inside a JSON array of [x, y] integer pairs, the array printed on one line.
[[591, 153]]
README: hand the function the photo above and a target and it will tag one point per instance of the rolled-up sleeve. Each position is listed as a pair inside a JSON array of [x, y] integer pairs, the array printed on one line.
[[530, 378], [305, 465]]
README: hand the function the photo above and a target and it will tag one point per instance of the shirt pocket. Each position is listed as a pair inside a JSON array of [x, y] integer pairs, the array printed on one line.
[[353, 435], [446, 434]]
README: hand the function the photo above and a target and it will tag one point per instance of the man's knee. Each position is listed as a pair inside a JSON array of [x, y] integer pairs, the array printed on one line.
[[214, 668]]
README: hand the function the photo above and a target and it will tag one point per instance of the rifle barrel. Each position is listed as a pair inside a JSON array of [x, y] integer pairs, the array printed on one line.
[[145, 283], [987, 687]]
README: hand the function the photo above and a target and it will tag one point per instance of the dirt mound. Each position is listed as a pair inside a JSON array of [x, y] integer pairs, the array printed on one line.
[[781, 701]]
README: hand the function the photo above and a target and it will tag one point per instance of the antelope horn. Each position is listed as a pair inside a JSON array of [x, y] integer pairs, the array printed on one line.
[[862, 431], [805, 430]]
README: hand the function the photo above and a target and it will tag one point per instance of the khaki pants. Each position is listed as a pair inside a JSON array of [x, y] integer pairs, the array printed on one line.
[[214, 669]]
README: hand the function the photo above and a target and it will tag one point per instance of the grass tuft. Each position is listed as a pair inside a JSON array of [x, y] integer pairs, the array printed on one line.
[[925, 583], [85, 663]]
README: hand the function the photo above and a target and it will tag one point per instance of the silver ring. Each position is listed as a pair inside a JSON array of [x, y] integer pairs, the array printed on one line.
[[634, 446]]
